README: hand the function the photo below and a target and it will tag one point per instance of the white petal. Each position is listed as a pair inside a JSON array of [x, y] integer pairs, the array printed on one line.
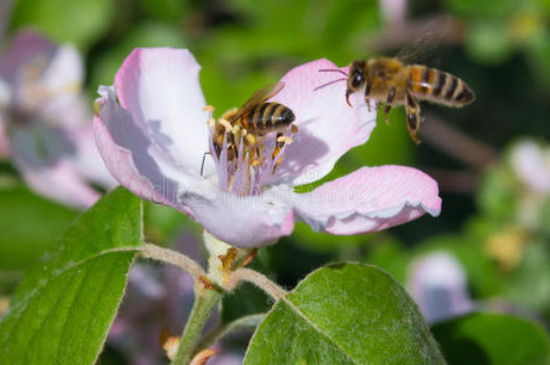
[[160, 88]]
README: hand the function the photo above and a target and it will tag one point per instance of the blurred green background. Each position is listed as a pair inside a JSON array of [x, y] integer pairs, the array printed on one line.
[[501, 48]]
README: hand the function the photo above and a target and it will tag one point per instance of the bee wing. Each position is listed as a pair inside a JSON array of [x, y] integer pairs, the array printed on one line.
[[426, 38], [259, 97]]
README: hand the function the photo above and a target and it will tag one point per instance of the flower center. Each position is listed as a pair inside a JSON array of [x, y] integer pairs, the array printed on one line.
[[245, 159]]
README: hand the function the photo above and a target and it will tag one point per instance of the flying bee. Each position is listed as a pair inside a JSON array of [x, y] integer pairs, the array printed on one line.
[[251, 123], [389, 80]]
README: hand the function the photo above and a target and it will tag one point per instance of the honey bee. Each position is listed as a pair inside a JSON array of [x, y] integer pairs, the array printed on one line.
[[251, 123], [389, 80]]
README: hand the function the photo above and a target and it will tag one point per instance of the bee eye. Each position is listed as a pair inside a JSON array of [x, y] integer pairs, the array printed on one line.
[[357, 80]]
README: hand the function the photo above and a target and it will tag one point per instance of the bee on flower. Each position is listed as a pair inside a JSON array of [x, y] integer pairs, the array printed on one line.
[[152, 131]]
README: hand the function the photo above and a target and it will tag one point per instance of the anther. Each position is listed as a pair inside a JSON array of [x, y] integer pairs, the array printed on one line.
[[208, 108], [285, 139], [235, 129], [225, 124]]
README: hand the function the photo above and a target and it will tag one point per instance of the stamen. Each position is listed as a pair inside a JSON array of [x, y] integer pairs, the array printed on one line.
[[235, 129], [294, 129], [225, 123], [208, 108], [211, 122]]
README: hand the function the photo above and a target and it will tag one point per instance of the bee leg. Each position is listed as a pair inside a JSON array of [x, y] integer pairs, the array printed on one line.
[[278, 147], [412, 109], [388, 105], [202, 164], [367, 94], [257, 158]]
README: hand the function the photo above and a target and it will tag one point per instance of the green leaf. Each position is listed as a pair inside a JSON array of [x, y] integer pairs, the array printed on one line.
[[538, 51], [19, 209], [498, 192], [344, 314], [169, 10], [64, 306], [473, 9], [76, 21], [493, 339]]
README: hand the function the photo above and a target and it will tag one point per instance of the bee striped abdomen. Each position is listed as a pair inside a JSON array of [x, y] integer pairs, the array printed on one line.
[[438, 86], [268, 117]]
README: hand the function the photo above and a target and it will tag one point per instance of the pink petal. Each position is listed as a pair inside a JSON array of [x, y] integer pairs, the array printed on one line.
[[531, 163], [133, 159], [160, 88], [60, 182], [367, 200], [329, 127], [242, 221]]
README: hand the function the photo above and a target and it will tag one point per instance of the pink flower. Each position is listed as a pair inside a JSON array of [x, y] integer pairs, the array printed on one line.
[[394, 11], [154, 141], [531, 163], [44, 121], [438, 284]]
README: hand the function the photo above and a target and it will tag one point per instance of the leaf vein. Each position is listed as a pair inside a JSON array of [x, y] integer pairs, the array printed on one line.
[[23, 301], [312, 324]]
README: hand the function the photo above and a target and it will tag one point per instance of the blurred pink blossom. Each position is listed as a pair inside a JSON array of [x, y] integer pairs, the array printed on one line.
[[438, 284], [531, 163], [152, 132], [394, 11], [45, 124]]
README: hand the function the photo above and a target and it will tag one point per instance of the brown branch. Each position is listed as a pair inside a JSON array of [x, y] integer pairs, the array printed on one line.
[[456, 144], [454, 181]]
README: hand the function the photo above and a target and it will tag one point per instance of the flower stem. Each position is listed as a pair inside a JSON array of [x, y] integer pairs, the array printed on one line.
[[155, 252], [204, 303], [258, 279]]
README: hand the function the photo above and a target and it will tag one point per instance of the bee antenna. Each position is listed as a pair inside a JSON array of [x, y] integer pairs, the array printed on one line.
[[333, 70], [330, 83]]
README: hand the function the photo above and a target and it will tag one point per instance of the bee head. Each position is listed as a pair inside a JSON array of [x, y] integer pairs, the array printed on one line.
[[356, 77]]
